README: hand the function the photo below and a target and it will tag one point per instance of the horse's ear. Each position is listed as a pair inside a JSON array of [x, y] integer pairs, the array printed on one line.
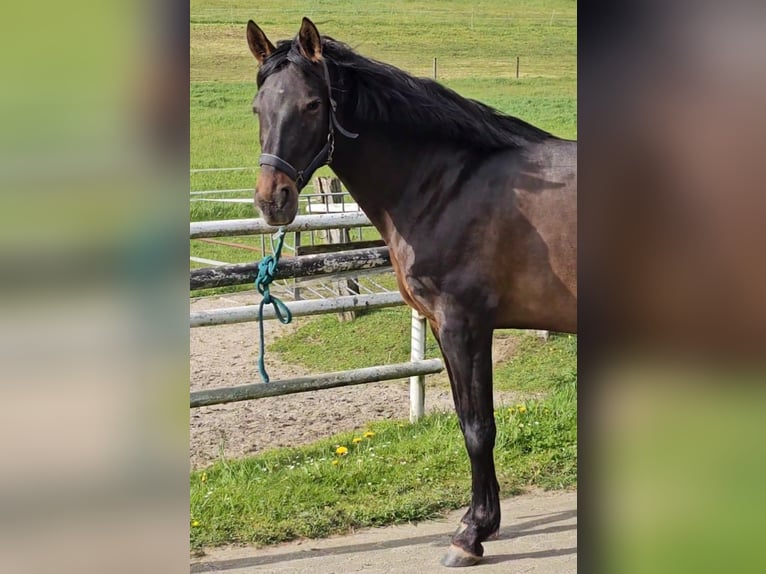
[[309, 41], [259, 44]]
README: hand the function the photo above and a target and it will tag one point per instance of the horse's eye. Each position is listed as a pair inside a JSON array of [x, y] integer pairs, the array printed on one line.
[[313, 105]]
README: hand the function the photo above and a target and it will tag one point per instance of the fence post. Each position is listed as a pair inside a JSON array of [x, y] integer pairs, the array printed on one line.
[[296, 283], [418, 353], [330, 188]]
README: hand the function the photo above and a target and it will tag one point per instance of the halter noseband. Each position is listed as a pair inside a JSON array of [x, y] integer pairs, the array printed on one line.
[[324, 156]]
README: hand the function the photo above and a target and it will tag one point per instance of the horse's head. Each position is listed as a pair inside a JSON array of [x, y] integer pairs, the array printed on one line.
[[296, 122]]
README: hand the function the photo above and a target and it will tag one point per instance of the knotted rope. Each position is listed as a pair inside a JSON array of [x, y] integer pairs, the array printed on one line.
[[267, 270]]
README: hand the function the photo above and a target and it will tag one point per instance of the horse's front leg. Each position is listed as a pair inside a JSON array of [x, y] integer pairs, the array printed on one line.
[[466, 343]]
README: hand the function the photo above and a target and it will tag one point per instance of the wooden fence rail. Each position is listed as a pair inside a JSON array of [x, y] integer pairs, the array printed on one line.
[[291, 267], [355, 261]]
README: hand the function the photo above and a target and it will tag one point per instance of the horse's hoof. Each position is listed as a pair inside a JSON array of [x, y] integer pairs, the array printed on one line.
[[456, 557]]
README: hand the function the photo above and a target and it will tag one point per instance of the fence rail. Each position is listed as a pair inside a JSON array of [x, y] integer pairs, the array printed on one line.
[[248, 313], [355, 261], [232, 227], [315, 382], [292, 267]]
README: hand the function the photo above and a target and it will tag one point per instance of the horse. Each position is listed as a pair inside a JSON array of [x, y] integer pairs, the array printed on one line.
[[478, 210]]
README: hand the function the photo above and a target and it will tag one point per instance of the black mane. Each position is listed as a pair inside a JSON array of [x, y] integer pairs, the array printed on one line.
[[376, 93]]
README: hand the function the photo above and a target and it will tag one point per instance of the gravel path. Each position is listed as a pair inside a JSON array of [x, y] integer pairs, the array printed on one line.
[[538, 535]]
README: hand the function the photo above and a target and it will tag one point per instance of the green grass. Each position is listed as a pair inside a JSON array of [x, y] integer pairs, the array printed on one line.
[[211, 211], [376, 337], [469, 40], [382, 336], [537, 365], [404, 473], [478, 59], [224, 132]]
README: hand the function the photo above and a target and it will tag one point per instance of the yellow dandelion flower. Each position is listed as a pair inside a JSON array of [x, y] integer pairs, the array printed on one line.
[[511, 410], [522, 409], [369, 434], [335, 462], [341, 450], [203, 477], [356, 440], [195, 523]]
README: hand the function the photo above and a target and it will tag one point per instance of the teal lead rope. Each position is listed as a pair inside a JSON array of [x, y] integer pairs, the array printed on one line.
[[267, 270]]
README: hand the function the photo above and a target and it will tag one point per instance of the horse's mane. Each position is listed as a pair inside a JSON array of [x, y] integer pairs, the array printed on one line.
[[377, 93]]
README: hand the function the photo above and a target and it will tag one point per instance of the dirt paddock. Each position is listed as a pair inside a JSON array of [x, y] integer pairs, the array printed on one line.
[[227, 355], [539, 529]]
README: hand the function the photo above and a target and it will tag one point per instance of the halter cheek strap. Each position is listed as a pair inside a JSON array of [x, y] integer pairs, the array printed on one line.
[[323, 156]]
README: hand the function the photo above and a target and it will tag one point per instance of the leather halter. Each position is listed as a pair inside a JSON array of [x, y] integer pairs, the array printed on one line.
[[324, 156]]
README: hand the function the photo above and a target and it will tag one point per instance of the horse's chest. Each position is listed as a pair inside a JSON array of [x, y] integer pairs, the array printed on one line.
[[415, 289]]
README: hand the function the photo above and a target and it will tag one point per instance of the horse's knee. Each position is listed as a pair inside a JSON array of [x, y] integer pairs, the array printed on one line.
[[455, 334], [479, 437]]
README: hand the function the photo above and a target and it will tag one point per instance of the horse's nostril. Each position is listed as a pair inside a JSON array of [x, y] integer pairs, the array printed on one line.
[[281, 196]]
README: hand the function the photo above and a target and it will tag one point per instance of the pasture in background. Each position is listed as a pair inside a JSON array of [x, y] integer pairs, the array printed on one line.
[[476, 48]]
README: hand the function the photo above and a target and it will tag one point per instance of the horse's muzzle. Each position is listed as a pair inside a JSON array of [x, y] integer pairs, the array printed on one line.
[[276, 196]]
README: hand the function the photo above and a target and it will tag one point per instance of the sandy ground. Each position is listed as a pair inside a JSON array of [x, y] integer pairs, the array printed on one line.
[[227, 355], [538, 535]]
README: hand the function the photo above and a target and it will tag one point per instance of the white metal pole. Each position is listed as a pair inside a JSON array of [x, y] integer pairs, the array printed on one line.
[[255, 226], [418, 353], [248, 313]]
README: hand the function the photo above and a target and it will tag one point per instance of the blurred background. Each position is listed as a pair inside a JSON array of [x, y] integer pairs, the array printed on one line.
[[672, 332], [93, 316]]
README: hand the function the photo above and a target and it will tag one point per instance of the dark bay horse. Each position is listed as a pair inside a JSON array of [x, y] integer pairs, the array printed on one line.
[[478, 209]]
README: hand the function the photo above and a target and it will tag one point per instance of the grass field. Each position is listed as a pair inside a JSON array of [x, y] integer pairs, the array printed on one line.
[[382, 336], [475, 44], [401, 472]]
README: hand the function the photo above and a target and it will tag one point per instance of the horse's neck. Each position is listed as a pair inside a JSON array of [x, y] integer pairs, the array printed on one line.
[[381, 171]]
